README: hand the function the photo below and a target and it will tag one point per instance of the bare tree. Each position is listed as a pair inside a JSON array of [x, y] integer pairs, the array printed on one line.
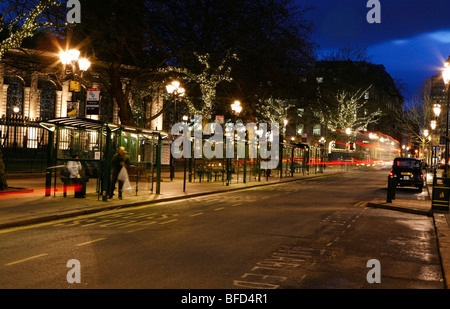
[[23, 19], [348, 112]]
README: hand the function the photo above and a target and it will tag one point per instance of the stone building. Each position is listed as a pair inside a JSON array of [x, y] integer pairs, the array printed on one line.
[[35, 86]]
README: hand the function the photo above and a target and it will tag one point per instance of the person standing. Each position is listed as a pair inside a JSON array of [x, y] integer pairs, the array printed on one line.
[[119, 161], [74, 168]]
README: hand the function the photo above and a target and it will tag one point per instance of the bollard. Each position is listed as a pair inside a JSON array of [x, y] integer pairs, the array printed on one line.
[[391, 189], [48, 182]]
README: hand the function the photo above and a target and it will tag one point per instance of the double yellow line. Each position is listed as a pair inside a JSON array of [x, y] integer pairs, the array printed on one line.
[[361, 204]]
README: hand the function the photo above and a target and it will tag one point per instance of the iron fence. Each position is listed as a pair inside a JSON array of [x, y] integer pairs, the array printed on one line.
[[24, 144]]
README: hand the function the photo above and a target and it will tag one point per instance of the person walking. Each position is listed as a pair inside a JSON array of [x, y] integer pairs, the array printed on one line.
[[119, 161]]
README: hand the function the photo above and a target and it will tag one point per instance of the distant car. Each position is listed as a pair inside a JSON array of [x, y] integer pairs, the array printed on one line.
[[408, 172]]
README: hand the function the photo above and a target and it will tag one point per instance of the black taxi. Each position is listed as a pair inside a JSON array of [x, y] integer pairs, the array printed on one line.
[[408, 172]]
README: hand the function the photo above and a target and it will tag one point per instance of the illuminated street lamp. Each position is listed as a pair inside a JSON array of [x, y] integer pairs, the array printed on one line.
[[446, 78], [236, 107], [177, 91], [433, 125], [72, 56], [437, 109]]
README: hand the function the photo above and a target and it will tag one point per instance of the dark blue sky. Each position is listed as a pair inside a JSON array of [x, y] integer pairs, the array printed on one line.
[[412, 41]]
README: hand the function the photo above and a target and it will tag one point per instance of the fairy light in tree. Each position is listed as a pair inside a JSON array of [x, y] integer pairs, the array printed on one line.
[[28, 28], [208, 79]]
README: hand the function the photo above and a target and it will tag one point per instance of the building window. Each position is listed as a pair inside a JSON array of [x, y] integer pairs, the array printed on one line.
[[300, 128], [317, 129], [48, 100], [14, 101]]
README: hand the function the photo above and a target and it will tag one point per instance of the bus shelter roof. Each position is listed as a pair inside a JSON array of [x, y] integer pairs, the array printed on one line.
[[93, 124]]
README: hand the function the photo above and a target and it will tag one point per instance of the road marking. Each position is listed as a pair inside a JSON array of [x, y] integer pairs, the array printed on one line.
[[361, 204], [90, 242], [131, 231], [239, 204], [27, 259], [219, 208], [197, 214], [173, 220]]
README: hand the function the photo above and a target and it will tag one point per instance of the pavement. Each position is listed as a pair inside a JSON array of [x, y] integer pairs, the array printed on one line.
[[25, 203], [420, 204]]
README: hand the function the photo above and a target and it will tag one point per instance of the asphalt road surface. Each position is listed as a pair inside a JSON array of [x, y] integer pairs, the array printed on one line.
[[307, 234]]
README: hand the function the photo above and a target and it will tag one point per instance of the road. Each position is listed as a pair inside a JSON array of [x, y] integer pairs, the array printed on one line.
[[315, 233]]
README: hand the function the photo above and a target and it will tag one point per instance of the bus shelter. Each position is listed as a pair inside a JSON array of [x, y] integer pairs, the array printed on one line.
[[95, 142]]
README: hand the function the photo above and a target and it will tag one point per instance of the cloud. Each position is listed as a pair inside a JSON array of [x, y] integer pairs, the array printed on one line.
[[441, 36], [413, 59]]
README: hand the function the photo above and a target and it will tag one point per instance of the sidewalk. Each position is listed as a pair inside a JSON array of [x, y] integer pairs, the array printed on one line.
[[421, 205], [32, 206]]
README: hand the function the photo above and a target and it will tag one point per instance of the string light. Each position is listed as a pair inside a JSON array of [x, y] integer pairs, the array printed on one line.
[[28, 28], [208, 79]]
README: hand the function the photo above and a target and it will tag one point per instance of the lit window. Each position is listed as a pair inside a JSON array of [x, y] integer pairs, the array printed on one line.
[[317, 130]]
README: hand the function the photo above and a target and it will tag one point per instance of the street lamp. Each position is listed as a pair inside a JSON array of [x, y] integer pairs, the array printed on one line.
[[437, 109], [177, 91], [236, 107], [446, 78], [433, 125], [72, 56]]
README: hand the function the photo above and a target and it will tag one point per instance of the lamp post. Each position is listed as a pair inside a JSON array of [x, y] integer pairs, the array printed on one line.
[[437, 112], [177, 91], [71, 58], [348, 131], [446, 78], [236, 109]]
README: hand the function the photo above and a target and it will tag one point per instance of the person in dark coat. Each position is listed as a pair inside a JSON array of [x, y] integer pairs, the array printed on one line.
[[119, 160]]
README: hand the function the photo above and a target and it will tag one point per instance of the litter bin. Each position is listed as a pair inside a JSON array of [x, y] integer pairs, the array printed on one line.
[[440, 197]]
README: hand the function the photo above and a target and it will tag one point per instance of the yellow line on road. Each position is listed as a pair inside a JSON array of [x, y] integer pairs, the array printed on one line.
[[89, 242], [219, 208], [168, 221], [197, 214], [30, 258], [131, 231], [361, 204]]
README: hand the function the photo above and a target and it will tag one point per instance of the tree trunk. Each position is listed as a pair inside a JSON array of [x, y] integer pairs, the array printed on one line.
[[125, 111]]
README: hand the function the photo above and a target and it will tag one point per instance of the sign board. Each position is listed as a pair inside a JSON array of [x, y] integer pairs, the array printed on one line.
[[72, 108], [165, 154], [74, 86], [220, 119], [93, 101]]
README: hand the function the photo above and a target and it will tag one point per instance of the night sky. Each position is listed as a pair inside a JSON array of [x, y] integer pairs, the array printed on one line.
[[412, 41]]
